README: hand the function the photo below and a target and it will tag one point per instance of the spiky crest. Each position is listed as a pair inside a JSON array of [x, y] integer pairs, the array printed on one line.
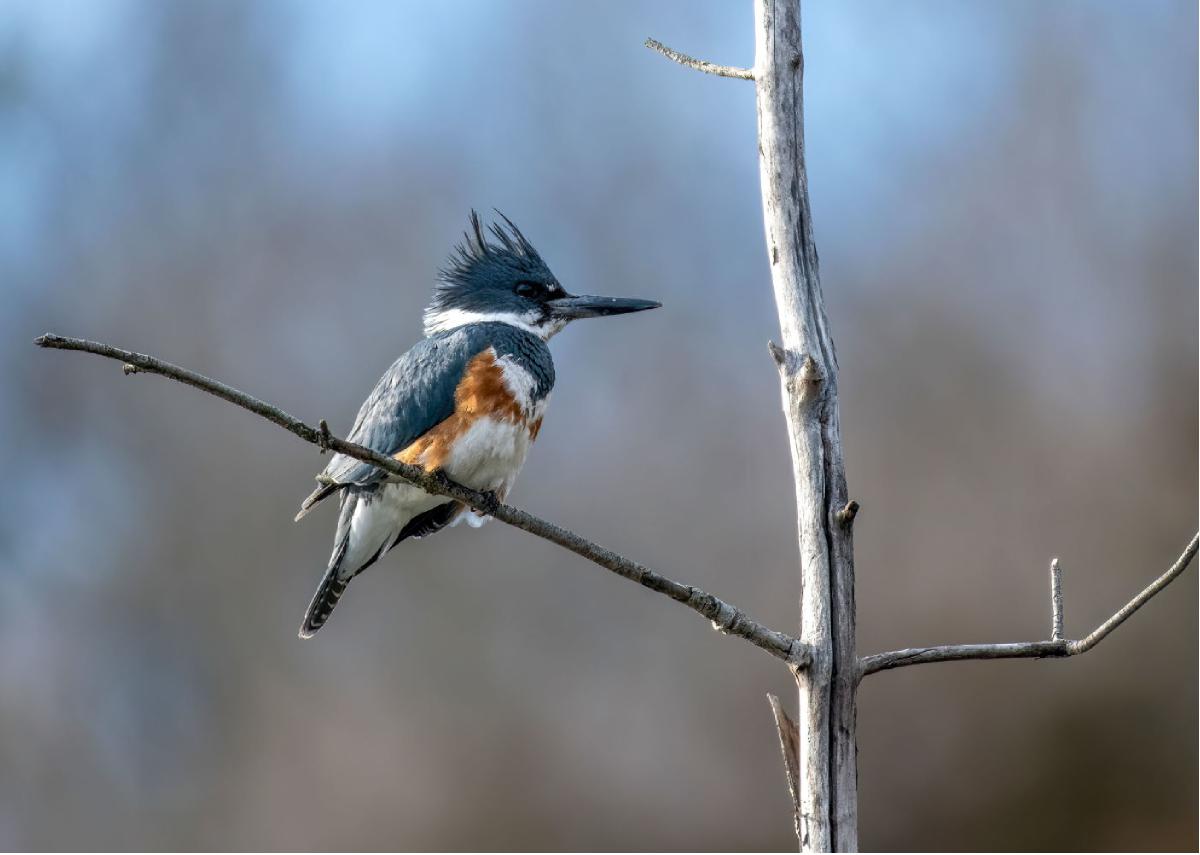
[[475, 249]]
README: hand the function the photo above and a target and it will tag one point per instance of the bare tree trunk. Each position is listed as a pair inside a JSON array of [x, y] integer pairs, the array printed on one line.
[[827, 781]]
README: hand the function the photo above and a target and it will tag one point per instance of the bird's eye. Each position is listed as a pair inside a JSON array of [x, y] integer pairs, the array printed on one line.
[[527, 289]]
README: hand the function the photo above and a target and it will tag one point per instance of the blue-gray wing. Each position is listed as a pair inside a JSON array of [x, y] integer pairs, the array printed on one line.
[[413, 395]]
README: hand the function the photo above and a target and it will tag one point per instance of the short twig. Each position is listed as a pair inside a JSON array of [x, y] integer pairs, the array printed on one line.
[[700, 64], [778, 354], [1056, 601]]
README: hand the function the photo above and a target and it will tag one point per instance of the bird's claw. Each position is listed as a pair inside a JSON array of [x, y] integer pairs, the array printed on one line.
[[489, 504]]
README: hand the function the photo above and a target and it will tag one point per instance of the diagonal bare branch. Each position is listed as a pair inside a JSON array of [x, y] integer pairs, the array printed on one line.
[[1098, 634], [726, 618], [700, 64], [1031, 649]]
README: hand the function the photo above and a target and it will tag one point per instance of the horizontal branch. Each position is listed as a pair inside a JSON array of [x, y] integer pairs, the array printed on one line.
[[1031, 649], [725, 618], [700, 64], [953, 652]]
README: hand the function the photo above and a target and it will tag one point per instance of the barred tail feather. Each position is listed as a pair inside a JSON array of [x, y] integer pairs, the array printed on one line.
[[334, 583], [356, 547], [328, 593]]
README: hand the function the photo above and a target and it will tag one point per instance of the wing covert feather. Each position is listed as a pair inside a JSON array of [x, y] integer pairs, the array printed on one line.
[[412, 396]]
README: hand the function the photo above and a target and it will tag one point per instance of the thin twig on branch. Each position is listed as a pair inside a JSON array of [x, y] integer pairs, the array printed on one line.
[[1031, 649], [700, 64], [1056, 601], [725, 618]]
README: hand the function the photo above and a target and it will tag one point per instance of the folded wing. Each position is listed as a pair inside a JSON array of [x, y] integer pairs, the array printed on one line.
[[415, 394]]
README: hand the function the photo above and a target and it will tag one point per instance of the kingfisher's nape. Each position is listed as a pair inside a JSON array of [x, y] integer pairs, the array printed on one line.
[[467, 400], [507, 281]]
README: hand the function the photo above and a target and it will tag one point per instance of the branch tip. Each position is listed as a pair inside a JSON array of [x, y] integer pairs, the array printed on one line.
[[1101, 632], [700, 64]]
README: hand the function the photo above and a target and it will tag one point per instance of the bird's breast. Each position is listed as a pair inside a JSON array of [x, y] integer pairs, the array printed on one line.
[[497, 415]]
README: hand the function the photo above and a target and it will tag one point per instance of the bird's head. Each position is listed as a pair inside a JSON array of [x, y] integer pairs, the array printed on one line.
[[507, 281]]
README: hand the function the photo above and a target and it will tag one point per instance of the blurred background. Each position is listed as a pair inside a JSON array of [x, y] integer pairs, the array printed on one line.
[[1005, 202]]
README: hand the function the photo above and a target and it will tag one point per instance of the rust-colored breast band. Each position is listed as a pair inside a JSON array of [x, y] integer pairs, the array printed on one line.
[[481, 393]]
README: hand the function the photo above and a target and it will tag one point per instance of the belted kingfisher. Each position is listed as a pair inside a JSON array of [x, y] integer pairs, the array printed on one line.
[[468, 400]]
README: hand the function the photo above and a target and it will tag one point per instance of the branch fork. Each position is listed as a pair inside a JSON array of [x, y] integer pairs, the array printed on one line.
[[801, 375], [1057, 646]]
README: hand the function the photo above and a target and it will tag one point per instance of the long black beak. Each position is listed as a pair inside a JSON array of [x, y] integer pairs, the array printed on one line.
[[572, 308]]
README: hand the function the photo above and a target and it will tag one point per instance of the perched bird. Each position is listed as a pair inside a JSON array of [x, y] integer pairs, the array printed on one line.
[[468, 400]]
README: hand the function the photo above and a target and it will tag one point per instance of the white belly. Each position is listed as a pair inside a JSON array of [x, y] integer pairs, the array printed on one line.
[[489, 455], [492, 451], [377, 521]]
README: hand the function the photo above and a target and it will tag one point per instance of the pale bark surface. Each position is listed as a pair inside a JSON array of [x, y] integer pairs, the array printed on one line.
[[1057, 646], [828, 809]]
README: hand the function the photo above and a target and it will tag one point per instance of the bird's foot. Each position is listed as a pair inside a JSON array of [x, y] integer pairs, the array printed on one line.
[[439, 479], [490, 503]]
